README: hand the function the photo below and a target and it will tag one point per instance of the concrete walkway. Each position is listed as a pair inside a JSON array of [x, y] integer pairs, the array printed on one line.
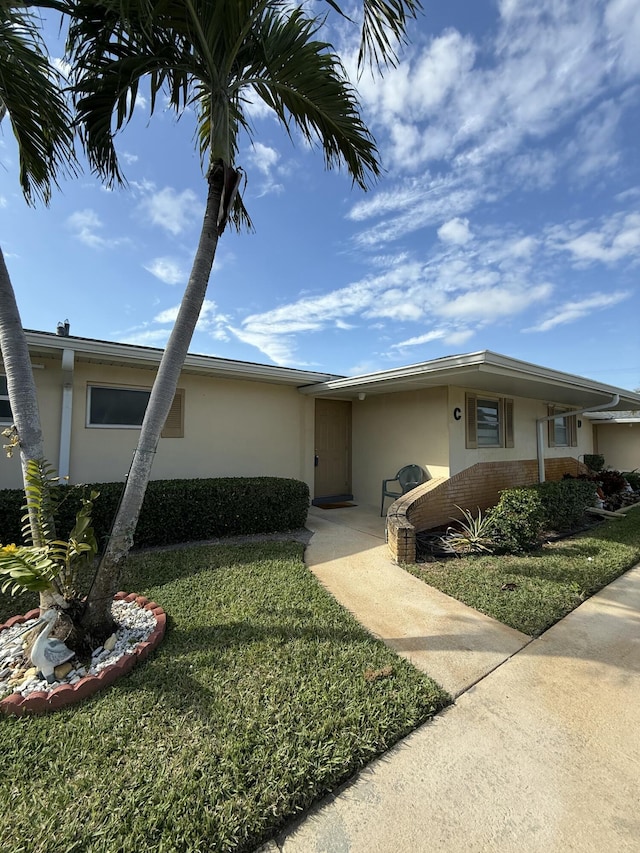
[[541, 755]]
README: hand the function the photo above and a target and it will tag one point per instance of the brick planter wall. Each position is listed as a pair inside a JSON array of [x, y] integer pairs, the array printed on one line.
[[434, 503]]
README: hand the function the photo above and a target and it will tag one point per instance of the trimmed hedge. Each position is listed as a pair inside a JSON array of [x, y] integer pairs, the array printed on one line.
[[565, 502], [521, 514], [176, 511]]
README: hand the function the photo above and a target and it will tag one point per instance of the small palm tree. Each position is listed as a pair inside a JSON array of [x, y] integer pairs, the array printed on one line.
[[208, 56]]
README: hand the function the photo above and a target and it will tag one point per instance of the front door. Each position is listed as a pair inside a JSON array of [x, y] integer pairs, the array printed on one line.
[[333, 449]]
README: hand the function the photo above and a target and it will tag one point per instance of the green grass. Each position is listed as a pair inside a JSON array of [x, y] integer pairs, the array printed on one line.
[[255, 705], [548, 583]]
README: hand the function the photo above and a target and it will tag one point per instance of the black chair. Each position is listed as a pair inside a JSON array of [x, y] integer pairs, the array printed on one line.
[[407, 478]]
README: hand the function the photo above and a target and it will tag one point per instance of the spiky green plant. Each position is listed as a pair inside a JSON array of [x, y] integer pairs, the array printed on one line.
[[471, 535]]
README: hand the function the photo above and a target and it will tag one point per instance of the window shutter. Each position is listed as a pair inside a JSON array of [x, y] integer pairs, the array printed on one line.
[[508, 422], [572, 426], [174, 424], [551, 427], [472, 421]]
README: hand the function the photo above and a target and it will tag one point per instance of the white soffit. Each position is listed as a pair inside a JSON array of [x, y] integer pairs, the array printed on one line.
[[482, 371]]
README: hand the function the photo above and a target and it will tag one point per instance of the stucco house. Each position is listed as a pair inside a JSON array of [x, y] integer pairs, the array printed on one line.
[[475, 423], [616, 435]]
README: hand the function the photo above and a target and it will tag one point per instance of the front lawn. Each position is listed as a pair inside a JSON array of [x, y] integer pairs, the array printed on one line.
[[532, 592], [264, 696]]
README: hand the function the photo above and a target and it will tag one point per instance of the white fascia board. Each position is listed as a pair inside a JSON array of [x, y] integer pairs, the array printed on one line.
[[131, 354], [444, 370]]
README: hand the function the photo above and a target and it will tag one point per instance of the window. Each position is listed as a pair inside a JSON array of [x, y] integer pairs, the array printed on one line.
[[124, 408], [5, 407], [562, 431], [489, 422]]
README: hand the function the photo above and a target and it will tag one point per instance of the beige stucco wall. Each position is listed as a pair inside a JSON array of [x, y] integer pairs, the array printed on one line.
[[231, 428], [619, 444], [47, 375], [392, 430], [525, 414]]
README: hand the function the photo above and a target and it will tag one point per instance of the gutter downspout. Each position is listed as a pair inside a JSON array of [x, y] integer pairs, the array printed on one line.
[[540, 428], [64, 455]]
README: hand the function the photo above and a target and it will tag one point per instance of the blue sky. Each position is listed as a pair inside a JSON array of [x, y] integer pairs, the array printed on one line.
[[507, 218]]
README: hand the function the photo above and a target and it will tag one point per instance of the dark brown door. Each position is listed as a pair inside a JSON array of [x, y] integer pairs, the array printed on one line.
[[333, 448]]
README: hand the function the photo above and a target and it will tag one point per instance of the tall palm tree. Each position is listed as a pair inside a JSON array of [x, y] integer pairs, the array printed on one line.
[[32, 101], [208, 56]]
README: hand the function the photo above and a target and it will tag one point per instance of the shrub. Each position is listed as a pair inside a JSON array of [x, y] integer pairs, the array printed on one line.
[[633, 478], [594, 461], [516, 521], [177, 511], [565, 502], [611, 482]]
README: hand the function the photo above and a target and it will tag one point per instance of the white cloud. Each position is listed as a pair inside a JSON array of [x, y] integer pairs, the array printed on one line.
[[569, 312], [167, 269], [263, 157], [172, 210], [618, 238], [455, 231], [169, 315], [492, 303], [85, 224], [622, 19], [418, 340], [498, 116], [206, 318]]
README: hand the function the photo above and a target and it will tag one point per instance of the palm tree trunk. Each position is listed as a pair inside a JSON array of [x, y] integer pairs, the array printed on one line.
[[20, 384], [97, 613], [22, 394]]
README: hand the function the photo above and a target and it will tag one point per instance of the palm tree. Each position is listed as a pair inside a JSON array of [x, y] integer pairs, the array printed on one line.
[[32, 101], [208, 56]]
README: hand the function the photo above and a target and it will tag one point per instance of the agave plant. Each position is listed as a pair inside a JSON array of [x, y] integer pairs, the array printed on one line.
[[470, 535]]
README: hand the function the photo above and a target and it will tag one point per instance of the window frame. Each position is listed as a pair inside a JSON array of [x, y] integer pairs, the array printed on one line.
[[556, 413], [4, 397], [174, 424], [505, 409]]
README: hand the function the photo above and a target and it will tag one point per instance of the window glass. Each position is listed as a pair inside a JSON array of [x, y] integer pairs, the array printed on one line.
[[117, 406], [488, 412], [561, 432], [5, 407]]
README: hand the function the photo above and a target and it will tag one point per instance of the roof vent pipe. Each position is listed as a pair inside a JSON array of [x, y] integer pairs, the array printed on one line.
[[541, 421], [63, 329]]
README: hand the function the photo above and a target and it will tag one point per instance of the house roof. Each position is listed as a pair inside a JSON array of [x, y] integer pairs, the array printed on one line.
[[482, 371], [108, 352], [615, 417]]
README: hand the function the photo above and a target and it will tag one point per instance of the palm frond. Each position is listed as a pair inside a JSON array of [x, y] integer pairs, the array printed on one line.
[[306, 85], [384, 28], [31, 95]]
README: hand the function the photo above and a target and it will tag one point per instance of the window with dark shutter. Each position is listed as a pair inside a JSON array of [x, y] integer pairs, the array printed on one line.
[[489, 422]]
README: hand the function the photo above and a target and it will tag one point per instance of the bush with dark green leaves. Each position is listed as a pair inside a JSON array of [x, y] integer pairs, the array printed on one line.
[[516, 521], [177, 511], [565, 502], [633, 478]]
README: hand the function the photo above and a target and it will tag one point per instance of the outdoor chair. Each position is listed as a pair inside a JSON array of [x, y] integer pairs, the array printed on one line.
[[407, 478]]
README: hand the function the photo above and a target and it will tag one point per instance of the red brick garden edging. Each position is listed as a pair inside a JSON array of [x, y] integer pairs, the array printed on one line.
[[42, 701]]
